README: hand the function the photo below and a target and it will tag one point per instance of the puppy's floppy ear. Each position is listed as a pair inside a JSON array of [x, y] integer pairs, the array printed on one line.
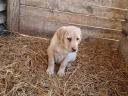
[[61, 33]]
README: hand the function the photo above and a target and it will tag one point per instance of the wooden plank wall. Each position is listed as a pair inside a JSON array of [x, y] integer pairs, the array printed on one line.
[[98, 18]]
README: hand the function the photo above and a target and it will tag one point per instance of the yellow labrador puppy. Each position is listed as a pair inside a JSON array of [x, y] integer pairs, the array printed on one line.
[[63, 48]]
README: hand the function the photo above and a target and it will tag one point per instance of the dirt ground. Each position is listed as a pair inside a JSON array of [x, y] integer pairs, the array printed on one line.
[[99, 70]]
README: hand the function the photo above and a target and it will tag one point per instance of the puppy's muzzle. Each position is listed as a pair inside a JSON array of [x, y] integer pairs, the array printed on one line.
[[73, 50]]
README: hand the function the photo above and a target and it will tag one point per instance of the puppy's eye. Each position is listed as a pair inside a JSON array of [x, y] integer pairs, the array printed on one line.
[[77, 39], [69, 39]]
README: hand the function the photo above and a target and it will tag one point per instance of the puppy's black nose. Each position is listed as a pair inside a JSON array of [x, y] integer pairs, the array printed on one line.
[[73, 50]]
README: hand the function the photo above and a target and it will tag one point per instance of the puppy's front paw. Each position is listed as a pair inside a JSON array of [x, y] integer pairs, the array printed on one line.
[[50, 71], [61, 73], [69, 65]]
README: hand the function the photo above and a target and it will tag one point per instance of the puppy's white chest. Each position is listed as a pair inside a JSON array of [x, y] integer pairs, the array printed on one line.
[[68, 57], [59, 57]]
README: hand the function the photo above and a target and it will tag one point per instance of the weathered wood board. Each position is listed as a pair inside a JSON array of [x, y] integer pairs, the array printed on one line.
[[29, 25], [87, 7], [13, 15], [71, 3], [123, 44], [71, 18]]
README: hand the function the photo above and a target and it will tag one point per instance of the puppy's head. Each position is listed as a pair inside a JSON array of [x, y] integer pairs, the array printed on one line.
[[69, 37]]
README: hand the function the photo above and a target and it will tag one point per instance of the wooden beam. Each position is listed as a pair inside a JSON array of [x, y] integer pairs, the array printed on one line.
[[72, 4], [13, 15]]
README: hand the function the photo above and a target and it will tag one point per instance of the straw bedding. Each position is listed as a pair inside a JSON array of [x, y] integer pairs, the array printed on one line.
[[98, 71]]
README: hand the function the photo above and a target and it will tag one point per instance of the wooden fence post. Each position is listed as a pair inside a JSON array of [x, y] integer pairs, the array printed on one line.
[[13, 15], [123, 44]]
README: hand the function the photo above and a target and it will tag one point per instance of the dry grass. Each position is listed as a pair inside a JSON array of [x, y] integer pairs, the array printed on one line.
[[98, 70]]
